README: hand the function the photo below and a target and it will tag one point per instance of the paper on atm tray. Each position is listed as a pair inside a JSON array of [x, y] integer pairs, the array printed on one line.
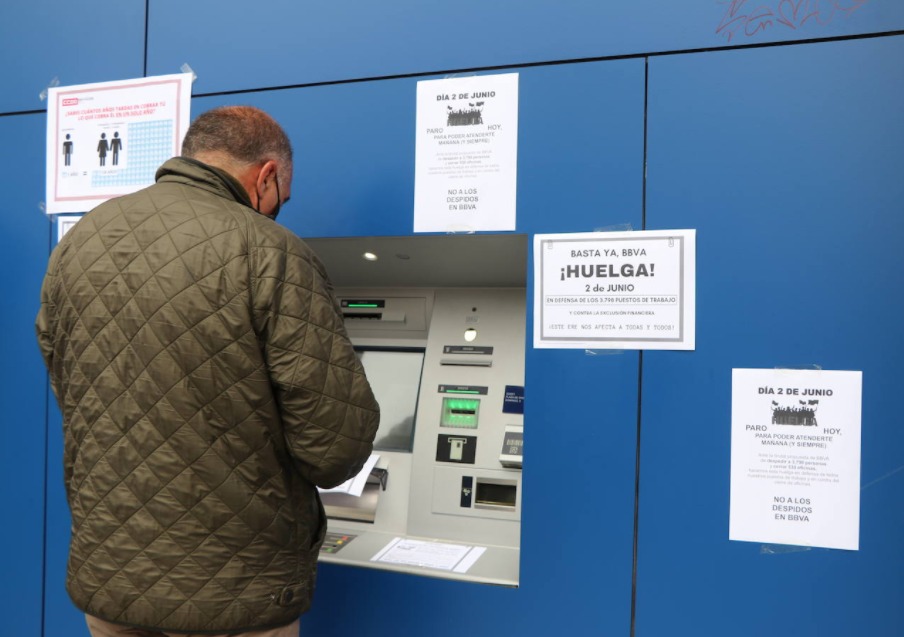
[[355, 486], [430, 554]]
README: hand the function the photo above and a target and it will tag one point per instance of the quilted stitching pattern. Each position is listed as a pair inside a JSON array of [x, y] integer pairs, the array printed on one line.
[[206, 383]]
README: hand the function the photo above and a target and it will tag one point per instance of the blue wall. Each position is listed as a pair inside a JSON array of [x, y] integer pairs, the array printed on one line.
[[25, 233], [793, 172], [775, 130]]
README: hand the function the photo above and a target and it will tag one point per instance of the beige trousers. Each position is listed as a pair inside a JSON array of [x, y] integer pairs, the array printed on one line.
[[100, 628]]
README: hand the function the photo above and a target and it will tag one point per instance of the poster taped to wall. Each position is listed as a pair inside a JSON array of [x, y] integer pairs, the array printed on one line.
[[466, 154], [795, 457], [65, 223], [615, 290], [107, 139]]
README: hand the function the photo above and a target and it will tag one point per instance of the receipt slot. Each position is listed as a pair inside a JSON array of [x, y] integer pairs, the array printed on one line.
[[441, 335]]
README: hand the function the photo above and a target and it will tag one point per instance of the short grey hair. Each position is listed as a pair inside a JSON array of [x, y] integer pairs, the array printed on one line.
[[244, 133]]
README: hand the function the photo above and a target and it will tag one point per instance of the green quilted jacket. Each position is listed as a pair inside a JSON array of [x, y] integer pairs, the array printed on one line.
[[207, 386]]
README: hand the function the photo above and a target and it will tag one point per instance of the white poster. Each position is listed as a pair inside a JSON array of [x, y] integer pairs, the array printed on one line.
[[65, 223], [466, 154], [795, 457], [108, 139], [615, 290]]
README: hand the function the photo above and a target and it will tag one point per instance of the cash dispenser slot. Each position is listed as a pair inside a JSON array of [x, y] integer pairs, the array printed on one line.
[[495, 494], [363, 508], [342, 506]]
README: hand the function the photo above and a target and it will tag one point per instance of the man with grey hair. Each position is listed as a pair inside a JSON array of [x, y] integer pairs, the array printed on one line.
[[207, 387]]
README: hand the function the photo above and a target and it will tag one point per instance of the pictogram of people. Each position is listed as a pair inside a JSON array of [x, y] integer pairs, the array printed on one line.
[[67, 149], [102, 147], [116, 146]]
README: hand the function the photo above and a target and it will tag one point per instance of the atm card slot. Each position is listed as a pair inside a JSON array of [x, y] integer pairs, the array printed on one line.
[[460, 412]]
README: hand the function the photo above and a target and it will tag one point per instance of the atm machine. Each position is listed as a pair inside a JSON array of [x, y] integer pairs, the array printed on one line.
[[439, 325]]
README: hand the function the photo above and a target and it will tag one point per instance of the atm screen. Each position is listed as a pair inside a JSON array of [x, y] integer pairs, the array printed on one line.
[[395, 377]]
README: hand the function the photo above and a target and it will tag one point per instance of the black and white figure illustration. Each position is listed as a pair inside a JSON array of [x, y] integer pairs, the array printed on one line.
[[471, 116], [107, 139], [102, 147], [115, 147], [68, 148], [803, 415]]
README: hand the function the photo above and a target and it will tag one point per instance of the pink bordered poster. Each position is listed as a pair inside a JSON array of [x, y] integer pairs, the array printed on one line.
[[107, 139]]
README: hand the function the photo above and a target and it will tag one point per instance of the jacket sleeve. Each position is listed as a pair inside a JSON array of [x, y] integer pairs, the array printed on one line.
[[45, 329], [328, 410], [45, 323]]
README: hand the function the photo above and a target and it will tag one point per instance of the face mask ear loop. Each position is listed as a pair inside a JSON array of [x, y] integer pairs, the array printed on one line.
[[278, 199], [256, 207]]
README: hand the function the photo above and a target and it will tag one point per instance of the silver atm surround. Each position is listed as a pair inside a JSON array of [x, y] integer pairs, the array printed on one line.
[[423, 499], [425, 261], [501, 327]]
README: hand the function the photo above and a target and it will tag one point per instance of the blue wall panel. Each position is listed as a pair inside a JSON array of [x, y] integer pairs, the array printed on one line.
[[580, 147], [354, 155], [25, 230], [75, 42], [580, 140], [789, 163], [61, 617], [283, 42]]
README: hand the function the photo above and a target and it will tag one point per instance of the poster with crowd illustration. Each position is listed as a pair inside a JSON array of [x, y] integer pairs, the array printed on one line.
[[466, 154], [795, 457], [107, 139]]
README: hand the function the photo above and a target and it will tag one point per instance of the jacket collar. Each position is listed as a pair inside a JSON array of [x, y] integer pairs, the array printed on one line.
[[204, 176]]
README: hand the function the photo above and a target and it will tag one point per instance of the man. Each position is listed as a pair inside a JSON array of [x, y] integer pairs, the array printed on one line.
[[207, 386]]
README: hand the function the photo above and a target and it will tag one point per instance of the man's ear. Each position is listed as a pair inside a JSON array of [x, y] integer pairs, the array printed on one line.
[[266, 175]]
